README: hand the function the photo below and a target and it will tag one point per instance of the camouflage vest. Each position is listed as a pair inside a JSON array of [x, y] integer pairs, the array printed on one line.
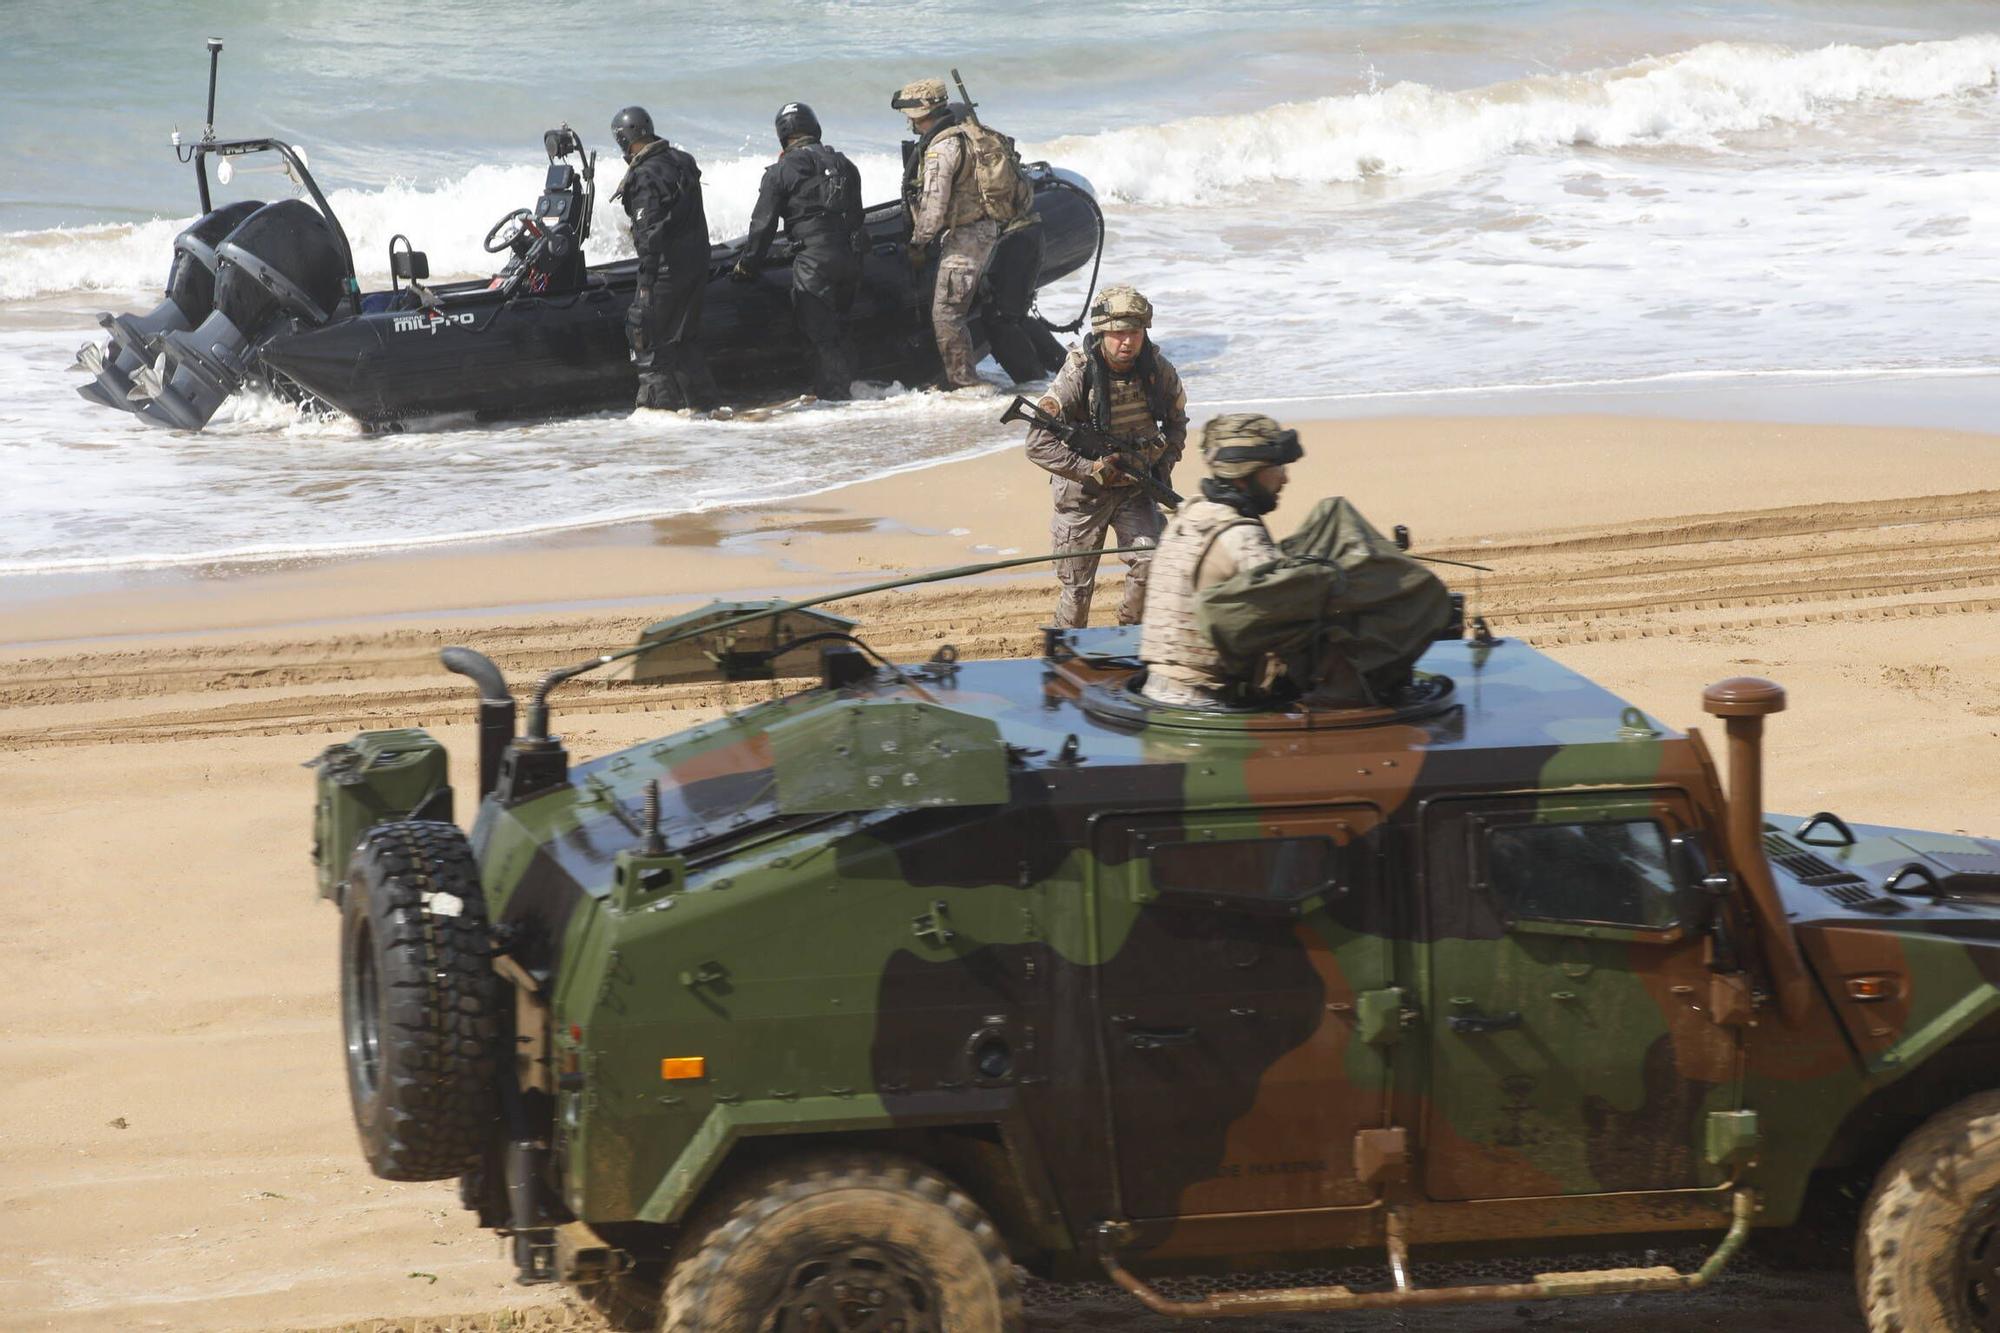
[[1171, 642], [1127, 406]]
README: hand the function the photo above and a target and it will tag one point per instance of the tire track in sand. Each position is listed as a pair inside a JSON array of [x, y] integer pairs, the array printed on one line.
[[1697, 577]]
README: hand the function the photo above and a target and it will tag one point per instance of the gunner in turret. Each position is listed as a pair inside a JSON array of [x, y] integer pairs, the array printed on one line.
[[1333, 616], [1210, 539]]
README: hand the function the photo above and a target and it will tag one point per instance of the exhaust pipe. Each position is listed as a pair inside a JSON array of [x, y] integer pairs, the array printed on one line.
[[496, 710], [1743, 702]]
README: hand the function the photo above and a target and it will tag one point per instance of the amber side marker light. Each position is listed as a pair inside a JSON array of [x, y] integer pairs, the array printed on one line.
[[684, 1066], [1872, 988]]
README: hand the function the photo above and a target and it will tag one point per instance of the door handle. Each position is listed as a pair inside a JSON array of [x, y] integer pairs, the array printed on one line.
[[1151, 1039], [1476, 1022]]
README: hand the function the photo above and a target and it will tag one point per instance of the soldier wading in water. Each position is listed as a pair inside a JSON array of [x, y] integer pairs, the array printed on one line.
[[662, 196], [965, 188], [816, 192], [1119, 382]]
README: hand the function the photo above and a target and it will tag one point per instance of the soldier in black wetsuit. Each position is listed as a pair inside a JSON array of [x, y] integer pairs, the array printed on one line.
[[662, 194], [816, 191]]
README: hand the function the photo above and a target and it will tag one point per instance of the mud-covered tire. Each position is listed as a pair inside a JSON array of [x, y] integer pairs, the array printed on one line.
[[789, 1237], [420, 1005], [629, 1302], [1928, 1256]]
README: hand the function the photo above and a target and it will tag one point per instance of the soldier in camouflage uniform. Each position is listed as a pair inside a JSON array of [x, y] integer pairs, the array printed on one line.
[[1209, 540], [1118, 381], [945, 206], [1334, 616]]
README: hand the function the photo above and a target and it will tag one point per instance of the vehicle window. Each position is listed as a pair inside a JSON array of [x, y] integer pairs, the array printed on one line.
[[1615, 872], [1280, 870]]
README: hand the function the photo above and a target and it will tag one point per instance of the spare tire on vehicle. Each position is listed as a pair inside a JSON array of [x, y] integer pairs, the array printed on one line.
[[420, 1004]]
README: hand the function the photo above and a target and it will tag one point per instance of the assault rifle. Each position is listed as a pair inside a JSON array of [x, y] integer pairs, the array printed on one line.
[[1090, 442]]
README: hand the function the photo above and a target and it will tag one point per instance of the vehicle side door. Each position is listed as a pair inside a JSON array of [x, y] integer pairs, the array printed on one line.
[[1244, 1006], [1572, 1046]]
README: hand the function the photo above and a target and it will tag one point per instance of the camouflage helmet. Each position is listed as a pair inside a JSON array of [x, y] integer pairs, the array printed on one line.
[[1120, 307], [1237, 444], [920, 98]]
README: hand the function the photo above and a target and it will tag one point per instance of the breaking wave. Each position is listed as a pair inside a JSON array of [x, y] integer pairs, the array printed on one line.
[[447, 221], [1694, 99]]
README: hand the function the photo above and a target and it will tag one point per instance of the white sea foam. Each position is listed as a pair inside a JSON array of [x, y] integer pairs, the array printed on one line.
[[324, 488], [447, 220], [1695, 99], [1734, 215]]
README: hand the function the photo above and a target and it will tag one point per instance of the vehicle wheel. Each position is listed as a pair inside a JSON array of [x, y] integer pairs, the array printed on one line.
[[629, 1302], [420, 1004], [1928, 1256], [843, 1241]]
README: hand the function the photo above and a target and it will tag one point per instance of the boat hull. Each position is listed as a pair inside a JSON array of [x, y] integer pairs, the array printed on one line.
[[542, 355]]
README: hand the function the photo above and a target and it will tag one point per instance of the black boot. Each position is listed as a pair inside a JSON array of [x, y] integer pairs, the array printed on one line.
[[657, 389]]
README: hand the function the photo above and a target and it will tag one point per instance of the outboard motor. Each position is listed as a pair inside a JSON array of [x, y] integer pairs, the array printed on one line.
[[190, 298], [281, 261]]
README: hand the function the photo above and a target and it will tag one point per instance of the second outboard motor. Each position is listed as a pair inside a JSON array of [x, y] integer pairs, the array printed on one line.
[[190, 298], [282, 261]]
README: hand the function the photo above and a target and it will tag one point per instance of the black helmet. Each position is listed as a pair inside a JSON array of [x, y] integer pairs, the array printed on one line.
[[631, 126], [795, 119]]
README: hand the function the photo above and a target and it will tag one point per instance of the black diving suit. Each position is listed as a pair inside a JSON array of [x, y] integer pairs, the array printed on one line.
[[662, 195], [816, 192]]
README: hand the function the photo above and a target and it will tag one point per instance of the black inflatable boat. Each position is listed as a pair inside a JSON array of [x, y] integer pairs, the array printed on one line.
[[264, 296]]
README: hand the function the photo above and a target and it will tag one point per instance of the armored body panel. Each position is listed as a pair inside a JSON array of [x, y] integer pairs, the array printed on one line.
[[1168, 987]]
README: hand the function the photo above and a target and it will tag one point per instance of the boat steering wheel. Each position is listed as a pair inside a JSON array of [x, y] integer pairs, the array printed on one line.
[[509, 229]]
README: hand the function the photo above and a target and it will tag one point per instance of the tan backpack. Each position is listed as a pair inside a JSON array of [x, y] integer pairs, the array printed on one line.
[[1003, 189]]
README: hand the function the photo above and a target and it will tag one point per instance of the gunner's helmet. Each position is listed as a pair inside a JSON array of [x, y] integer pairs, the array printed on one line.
[[1236, 444]]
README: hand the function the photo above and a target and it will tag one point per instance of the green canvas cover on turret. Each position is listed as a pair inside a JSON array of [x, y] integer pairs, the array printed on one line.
[[1344, 601], [744, 652]]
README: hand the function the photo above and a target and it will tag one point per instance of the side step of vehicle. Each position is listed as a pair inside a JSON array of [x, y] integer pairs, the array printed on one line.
[[1545, 1286]]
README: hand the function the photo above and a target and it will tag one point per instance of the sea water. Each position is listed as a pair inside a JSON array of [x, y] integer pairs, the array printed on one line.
[[1348, 204]]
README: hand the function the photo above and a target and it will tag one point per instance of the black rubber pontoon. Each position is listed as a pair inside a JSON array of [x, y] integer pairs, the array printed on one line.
[[264, 297], [536, 355]]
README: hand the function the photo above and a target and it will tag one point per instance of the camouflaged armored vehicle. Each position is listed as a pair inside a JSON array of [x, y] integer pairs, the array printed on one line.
[[843, 1010]]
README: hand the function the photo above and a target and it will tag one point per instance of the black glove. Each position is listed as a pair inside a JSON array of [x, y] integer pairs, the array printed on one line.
[[742, 274], [916, 255]]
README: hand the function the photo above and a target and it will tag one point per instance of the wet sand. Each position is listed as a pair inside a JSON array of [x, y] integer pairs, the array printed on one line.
[[176, 1150]]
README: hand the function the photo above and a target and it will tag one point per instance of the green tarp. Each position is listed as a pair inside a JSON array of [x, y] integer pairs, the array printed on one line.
[[1344, 606]]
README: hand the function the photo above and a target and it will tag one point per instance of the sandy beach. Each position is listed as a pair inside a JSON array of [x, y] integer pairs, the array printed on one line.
[[175, 1148]]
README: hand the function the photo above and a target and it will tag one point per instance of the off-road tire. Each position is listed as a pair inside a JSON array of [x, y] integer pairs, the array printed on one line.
[[1931, 1227], [421, 1007], [803, 1224], [629, 1302]]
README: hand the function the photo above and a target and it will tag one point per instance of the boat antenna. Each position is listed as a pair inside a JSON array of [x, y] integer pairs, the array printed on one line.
[[214, 56]]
